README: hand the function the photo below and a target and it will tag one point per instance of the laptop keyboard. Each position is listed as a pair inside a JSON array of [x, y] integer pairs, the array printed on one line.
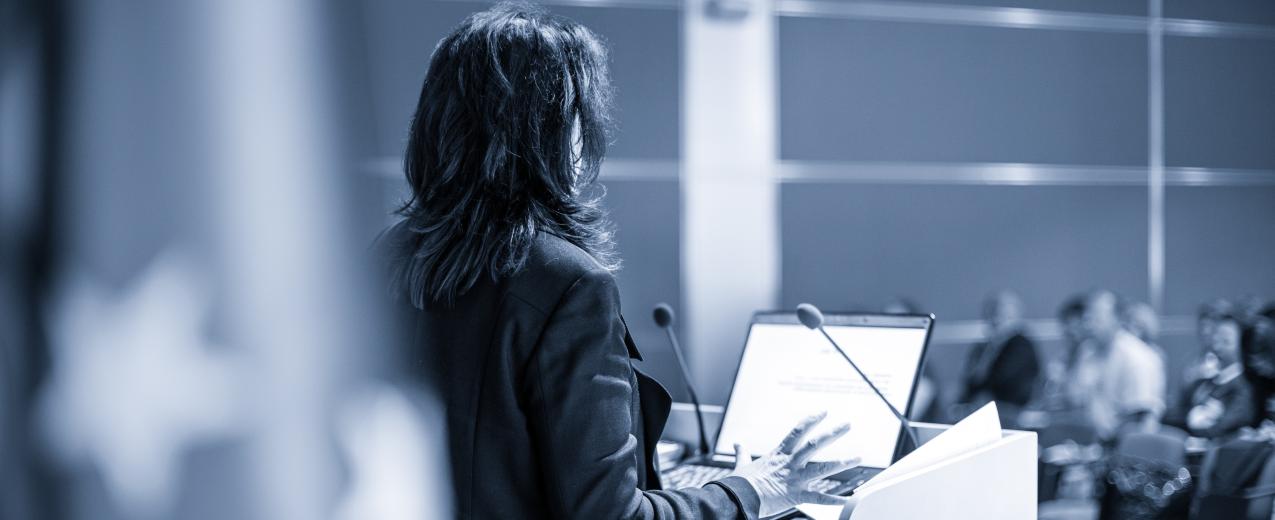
[[692, 476], [695, 475]]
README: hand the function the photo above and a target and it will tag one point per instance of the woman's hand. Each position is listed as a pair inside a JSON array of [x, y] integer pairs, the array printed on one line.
[[782, 478]]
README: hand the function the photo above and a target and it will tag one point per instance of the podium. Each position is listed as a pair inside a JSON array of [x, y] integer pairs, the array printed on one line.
[[997, 481]]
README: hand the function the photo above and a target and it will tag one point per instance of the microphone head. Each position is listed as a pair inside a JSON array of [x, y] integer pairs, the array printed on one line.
[[663, 315], [810, 316]]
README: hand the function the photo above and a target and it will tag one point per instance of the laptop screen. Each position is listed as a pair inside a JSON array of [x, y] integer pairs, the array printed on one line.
[[788, 372]]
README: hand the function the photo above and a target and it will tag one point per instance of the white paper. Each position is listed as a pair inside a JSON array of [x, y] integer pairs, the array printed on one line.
[[820, 511], [980, 429]]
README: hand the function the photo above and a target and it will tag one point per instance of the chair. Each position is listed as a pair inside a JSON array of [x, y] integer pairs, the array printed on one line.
[[1067, 451], [1146, 476], [1255, 500]]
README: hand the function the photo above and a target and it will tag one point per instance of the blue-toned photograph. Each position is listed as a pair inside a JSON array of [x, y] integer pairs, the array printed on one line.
[[637, 259]]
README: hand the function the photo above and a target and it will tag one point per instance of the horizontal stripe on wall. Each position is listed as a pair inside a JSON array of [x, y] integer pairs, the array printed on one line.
[[1012, 174], [1014, 18], [948, 14]]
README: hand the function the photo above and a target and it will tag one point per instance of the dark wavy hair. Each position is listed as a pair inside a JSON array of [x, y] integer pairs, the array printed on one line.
[[511, 128]]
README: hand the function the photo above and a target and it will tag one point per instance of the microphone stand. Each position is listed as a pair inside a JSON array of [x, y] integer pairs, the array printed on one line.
[[690, 389], [907, 425]]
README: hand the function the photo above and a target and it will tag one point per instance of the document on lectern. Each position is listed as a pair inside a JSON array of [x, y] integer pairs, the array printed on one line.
[[980, 429]]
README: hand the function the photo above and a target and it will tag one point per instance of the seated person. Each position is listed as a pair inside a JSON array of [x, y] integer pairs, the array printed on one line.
[[1257, 346], [1005, 368], [1049, 402], [1141, 320], [1117, 381], [1206, 366], [1220, 404]]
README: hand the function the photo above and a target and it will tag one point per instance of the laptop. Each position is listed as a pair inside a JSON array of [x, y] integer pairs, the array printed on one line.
[[788, 372]]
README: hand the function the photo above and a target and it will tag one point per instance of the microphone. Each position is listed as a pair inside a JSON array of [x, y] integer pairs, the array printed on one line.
[[664, 319], [810, 316]]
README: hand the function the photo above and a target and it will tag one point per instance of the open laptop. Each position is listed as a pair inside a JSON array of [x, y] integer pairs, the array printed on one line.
[[788, 372]]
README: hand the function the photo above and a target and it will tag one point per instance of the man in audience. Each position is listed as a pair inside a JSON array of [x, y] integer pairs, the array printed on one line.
[[1050, 398], [1141, 320], [1005, 368], [1220, 404], [1117, 379], [1072, 318]]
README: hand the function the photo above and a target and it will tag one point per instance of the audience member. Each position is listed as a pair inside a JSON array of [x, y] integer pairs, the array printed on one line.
[[1220, 404], [1207, 365], [1116, 379], [1141, 320], [1257, 347], [1051, 395], [1248, 308], [1005, 368], [1072, 319]]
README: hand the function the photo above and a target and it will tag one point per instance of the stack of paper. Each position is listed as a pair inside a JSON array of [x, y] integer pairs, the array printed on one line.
[[980, 429]]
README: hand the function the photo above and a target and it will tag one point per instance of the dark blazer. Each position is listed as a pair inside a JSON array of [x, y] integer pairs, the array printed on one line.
[[1011, 376], [1236, 396], [546, 415]]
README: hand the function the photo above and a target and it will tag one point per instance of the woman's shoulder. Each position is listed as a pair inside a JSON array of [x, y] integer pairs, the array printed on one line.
[[553, 254], [553, 266]]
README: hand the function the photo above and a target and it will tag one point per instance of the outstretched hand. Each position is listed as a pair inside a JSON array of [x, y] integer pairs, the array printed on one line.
[[782, 477]]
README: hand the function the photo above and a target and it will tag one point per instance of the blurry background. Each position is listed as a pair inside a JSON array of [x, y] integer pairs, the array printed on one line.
[[846, 153], [933, 152]]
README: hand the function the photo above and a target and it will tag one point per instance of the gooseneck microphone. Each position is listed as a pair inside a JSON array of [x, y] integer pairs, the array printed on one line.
[[810, 316], [664, 319]]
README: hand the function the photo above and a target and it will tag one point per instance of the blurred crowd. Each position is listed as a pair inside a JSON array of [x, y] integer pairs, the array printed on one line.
[[1111, 432], [1112, 376]]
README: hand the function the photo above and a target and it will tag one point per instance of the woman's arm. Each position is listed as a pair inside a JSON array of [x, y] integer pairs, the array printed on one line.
[[1237, 410], [579, 379]]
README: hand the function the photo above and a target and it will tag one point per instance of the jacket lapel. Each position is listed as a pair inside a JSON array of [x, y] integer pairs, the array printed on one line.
[[654, 403]]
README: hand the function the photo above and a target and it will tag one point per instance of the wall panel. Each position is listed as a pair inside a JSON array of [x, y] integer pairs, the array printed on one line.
[[879, 91], [647, 216], [644, 44], [1220, 242], [1219, 106], [861, 245]]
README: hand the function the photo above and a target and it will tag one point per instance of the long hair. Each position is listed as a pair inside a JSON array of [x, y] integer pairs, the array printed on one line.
[[509, 133]]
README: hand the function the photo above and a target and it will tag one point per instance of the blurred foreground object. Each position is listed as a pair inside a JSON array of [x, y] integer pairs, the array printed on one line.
[[134, 383], [397, 462], [187, 224]]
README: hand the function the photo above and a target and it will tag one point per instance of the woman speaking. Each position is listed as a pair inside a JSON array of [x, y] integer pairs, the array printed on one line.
[[505, 257]]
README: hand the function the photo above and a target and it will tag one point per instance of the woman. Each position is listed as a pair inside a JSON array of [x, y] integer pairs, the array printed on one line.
[[1218, 404], [505, 258]]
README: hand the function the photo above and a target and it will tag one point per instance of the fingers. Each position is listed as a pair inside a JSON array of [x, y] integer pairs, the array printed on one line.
[[811, 497], [818, 470], [741, 456], [790, 442], [814, 444]]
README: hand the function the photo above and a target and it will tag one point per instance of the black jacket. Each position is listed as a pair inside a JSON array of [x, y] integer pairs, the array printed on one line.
[[546, 415], [1011, 376], [1236, 396]]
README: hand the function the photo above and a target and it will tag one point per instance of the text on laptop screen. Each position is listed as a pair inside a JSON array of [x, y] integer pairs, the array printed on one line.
[[789, 372]]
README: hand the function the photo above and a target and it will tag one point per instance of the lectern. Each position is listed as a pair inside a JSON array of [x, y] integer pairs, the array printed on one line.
[[997, 481]]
